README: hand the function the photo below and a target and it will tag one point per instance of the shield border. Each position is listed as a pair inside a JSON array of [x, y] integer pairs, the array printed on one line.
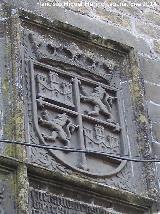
[[35, 122]]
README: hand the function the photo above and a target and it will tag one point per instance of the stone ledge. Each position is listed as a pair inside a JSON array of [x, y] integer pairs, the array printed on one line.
[[88, 186], [85, 23]]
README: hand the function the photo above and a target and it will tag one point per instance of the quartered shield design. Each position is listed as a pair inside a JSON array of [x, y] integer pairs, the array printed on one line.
[[72, 111]]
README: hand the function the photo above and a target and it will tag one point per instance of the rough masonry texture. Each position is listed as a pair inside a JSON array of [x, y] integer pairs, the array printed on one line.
[[84, 79]]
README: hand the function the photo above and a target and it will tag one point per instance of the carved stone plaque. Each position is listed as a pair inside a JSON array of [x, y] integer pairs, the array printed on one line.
[[58, 198], [47, 203], [75, 106]]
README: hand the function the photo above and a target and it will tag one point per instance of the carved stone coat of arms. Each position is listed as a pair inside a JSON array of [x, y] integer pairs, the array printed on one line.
[[74, 106]]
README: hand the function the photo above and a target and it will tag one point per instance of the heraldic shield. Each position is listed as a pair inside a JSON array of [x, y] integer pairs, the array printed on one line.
[[78, 112]]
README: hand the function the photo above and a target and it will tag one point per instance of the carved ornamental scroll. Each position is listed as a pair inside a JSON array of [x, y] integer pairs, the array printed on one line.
[[76, 106]]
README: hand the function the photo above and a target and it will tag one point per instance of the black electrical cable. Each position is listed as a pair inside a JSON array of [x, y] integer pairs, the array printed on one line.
[[67, 149]]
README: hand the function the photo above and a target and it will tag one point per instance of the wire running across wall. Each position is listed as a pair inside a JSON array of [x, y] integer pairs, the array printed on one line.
[[69, 149]]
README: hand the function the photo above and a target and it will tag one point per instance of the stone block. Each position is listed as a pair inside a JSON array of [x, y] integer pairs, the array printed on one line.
[[115, 18], [97, 27], [148, 29], [156, 131], [154, 112], [93, 25], [156, 151], [152, 17], [150, 69], [152, 92], [131, 11]]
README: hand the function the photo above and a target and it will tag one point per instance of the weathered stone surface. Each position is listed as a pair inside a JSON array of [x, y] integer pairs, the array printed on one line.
[[156, 150], [148, 29], [25, 4], [156, 132], [157, 46], [80, 200], [2, 64], [154, 112], [1, 28], [55, 74], [152, 92], [114, 18], [38, 198], [150, 69], [92, 25], [91, 103], [84, 9], [131, 11], [7, 193], [152, 17], [158, 172], [97, 27]]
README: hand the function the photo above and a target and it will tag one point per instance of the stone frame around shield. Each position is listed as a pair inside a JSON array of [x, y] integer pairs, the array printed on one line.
[[132, 90]]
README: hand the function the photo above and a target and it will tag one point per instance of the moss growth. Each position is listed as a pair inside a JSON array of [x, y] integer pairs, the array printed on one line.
[[13, 104], [143, 119], [22, 186]]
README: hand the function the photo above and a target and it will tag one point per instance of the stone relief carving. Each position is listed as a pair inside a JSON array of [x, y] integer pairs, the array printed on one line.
[[101, 101], [62, 125], [57, 127], [98, 140], [51, 102], [52, 88], [123, 180], [43, 158], [49, 51], [46, 202]]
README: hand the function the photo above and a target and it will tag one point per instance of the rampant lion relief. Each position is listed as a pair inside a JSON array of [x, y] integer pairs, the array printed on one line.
[[57, 127], [75, 112], [101, 101]]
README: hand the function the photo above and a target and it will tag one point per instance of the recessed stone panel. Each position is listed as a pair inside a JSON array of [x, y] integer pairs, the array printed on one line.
[[75, 102], [81, 97], [56, 198], [7, 193]]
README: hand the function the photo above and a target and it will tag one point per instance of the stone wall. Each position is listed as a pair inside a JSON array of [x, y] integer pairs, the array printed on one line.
[[130, 30], [137, 24], [134, 23]]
